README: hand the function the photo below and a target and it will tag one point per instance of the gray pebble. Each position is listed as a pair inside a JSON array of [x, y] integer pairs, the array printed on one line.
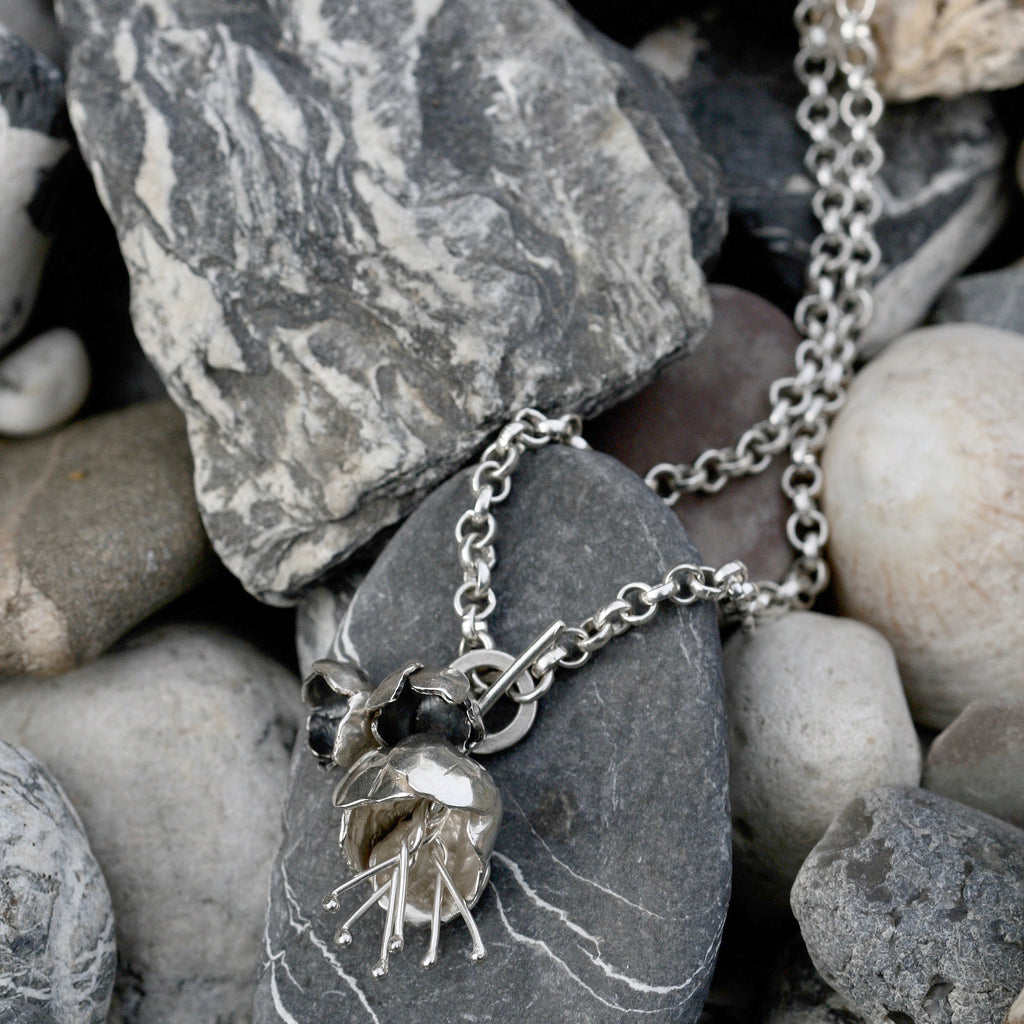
[[56, 922], [912, 907], [995, 298]]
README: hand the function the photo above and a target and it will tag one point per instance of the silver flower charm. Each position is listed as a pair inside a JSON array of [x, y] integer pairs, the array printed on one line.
[[419, 816], [338, 727]]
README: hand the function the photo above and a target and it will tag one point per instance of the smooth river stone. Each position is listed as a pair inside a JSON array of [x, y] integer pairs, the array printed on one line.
[[979, 759], [943, 184], [357, 242], [57, 926], [912, 907], [705, 401], [816, 715], [175, 750], [922, 491], [610, 878], [995, 298], [33, 22], [98, 529]]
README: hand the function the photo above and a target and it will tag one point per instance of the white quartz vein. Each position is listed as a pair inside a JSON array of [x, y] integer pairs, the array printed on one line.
[[343, 646]]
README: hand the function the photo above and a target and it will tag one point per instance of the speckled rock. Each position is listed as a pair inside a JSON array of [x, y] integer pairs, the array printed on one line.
[[355, 243], [43, 383], [922, 491], [175, 751], [33, 138], [57, 926], [943, 185], [98, 529], [18, 1012], [937, 48], [816, 715], [750, 344], [979, 759], [912, 907], [797, 993], [609, 880], [995, 298]]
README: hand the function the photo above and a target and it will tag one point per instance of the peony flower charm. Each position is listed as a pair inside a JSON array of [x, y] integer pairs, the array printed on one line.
[[419, 816]]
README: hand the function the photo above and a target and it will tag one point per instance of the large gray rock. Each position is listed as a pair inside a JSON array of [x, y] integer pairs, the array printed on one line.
[[610, 877], [357, 241], [942, 185], [57, 925], [912, 907], [175, 751]]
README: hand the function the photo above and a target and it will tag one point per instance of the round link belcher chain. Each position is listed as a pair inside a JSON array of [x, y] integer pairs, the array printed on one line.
[[842, 107]]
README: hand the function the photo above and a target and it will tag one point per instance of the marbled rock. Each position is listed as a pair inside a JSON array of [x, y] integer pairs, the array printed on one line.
[[995, 298], [797, 993], [937, 48], [706, 401], [922, 491], [43, 383], [816, 715], [175, 750], [912, 907], [610, 876], [941, 185], [57, 925], [32, 141], [18, 1012], [98, 528], [355, 243], [979, 759]]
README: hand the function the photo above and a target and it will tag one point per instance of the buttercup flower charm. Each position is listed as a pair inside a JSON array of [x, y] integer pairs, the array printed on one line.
[[419, 816]]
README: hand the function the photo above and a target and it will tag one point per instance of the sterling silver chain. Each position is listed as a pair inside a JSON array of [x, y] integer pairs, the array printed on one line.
[[836, 63]]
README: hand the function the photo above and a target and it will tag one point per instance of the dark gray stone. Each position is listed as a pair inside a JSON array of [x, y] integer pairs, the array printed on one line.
[[357, 241], [942, 183], [797, 993], [23, 1013], [31, 88], [610, 879], [57, 925], [912, 907], [995, 298]]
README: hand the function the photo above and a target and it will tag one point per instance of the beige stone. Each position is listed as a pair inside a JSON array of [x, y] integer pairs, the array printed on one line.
[[1015, 1015], [948, 47], [924, 490]]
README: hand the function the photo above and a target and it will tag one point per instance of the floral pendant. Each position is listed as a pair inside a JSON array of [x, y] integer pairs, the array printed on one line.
[[418, 815]]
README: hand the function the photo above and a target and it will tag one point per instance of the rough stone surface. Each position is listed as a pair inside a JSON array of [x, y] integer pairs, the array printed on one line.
[[912, 907], [175, 751], [979, 759], [98, 528], [356, 242], [57, 925], [942, 183], [816, 715], [43, 383], [32, 141], [18, 1012], [938, 48], [797, 994], [995, 298], [922, 491], [751, 342], [610, 878]]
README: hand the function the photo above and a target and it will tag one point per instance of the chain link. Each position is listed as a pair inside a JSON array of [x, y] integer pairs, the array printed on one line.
[[840, 111]]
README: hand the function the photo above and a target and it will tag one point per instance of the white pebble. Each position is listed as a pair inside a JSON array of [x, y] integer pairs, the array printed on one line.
[[924, 490], [816, 716], [43, 383]]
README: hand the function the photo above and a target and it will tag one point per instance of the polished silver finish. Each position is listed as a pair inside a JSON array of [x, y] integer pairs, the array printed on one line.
[[483, 660]]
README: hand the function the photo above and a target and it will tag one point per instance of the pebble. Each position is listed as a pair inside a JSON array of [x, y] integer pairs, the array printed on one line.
[[922, 491], [98, 529], [979, 759], [609, 881], [816, 715], [175, 750], [43, 383], [797, 993], [463, 253], [57, 949], [912, 907], [943, 183], [934, 48], [751, 342], [995, 298], [33, 138]]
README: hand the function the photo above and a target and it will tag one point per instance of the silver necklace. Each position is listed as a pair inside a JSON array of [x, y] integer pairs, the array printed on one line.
[[419, 816]]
